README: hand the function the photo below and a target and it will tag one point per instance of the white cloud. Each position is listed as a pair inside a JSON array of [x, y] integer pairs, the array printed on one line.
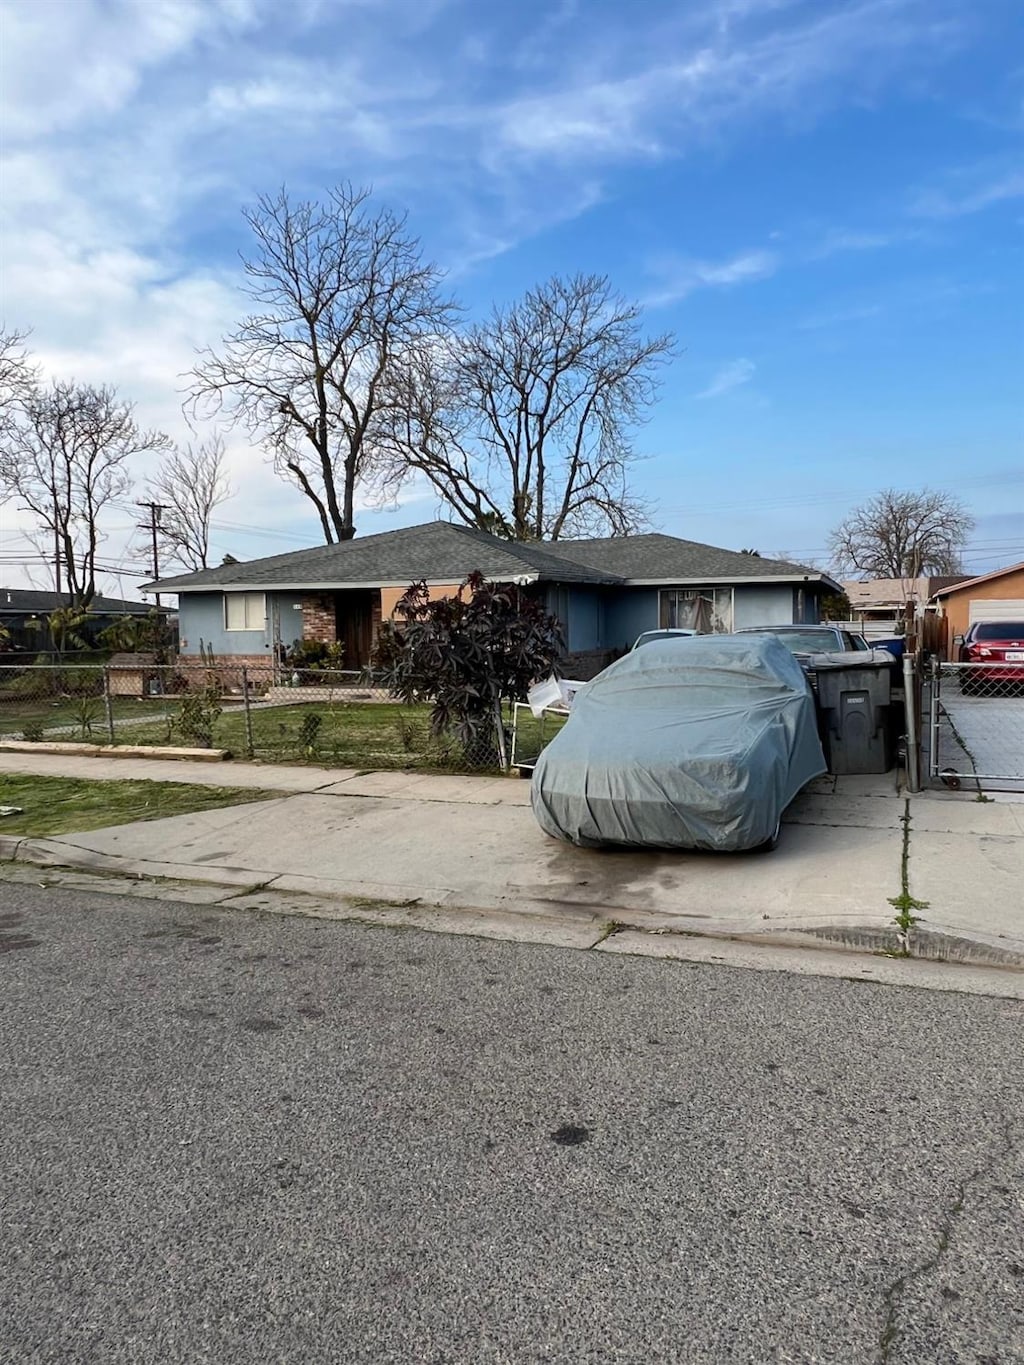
[[732, 375], [98, 54], [847, 239], [681, 277], [840, 317], [727, 68], [969, 190]]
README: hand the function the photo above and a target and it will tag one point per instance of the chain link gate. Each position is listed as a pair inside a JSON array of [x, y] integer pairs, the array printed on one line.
[[975, 715]]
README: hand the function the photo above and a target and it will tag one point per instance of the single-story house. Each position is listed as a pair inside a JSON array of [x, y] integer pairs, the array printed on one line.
[[879, 605], [24, 612], [604, 592], [995, 596]]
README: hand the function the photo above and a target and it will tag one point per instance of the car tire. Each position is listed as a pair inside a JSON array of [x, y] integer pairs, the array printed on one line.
[[770, 844]]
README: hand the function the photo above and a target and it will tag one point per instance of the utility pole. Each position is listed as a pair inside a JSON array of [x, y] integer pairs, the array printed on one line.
[[56, 552], [156, 511]]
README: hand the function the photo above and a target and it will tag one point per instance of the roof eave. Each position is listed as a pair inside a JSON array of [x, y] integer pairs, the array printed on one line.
[[733, 580], [169, 585], [981, 578]]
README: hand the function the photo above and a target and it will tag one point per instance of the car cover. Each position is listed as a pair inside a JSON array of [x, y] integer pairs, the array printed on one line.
[[698, 743]]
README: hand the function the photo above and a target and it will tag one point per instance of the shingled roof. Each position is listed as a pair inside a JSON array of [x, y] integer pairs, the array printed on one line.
[[661, 558], [36, 602], [442, 552]]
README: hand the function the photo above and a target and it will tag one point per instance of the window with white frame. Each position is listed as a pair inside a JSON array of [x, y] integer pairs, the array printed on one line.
[[708, 611], [245, 610]]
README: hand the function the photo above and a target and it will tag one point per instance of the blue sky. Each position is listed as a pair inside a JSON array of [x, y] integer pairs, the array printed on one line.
[[822, 200]]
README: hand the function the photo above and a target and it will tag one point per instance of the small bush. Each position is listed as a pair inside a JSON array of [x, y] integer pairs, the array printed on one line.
[[309, 730], [33, 732], [199, 713], [87, 712]]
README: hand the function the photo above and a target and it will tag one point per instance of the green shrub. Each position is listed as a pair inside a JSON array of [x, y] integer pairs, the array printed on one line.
[[308, 732], [199, 713], [87, 712]]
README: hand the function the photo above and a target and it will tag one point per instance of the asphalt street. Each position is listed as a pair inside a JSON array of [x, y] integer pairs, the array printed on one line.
[[230, 1137]]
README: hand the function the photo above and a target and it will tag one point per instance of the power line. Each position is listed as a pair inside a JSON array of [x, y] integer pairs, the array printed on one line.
[[156, 511]]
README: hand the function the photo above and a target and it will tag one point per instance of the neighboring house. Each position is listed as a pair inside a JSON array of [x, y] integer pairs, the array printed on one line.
[[24, 612], [604, 592], [878, 606], [996, 596]]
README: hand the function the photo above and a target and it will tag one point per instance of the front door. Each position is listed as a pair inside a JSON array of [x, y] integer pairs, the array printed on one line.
[[354, 621]]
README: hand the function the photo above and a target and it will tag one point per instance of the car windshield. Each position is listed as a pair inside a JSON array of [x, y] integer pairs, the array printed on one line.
[[655, 635], [807, 641], [1000, 630]]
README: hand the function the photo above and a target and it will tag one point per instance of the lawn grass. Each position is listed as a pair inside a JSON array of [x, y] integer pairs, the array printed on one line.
[[351, 735], [86, 716], [65, 805]]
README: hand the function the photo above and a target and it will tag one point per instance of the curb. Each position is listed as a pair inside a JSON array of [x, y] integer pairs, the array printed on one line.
[[80, 750], [927, 945]]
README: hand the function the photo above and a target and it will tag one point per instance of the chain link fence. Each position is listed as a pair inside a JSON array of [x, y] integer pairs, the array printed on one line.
[[975, 718], [278, 714]]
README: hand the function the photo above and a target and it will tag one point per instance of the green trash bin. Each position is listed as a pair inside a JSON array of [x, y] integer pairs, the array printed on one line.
[[856, 713]]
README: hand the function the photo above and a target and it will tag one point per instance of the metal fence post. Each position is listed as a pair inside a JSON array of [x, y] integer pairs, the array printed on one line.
[[500, 735], [108, 705], [250, 748], [933, 725], [913, 736]]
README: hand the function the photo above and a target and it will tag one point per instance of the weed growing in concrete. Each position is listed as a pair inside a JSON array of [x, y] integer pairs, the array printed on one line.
[[905, 904]]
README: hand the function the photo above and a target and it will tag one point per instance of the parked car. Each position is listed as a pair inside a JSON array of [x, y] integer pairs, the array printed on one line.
[[825, 645], [695, 748], [997, 647], [804, 640], [652, 636]]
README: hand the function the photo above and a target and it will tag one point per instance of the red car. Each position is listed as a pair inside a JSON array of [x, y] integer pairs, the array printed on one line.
[[999, 646]]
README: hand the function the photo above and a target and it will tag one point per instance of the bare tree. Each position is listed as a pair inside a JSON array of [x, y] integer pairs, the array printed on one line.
[[68, 455], [525, 425], [18, 378], [342, 295], [190, 484], [903, 535]]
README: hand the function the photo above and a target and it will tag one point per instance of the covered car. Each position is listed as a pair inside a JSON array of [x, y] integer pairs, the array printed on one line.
[[695, 748]]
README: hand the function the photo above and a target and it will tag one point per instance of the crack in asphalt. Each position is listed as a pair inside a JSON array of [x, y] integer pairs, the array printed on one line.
[[890, 1333]]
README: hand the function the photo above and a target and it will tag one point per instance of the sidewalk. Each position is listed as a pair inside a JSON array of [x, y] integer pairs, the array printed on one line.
[[431, 844]]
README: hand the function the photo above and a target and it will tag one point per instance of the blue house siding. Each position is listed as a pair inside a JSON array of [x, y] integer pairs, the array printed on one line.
[[586, 621], [289, 616], [201, 619], [629, 612], [767, 605], [593, 619]]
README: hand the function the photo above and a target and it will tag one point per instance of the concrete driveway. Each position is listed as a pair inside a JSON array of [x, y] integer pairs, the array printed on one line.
[[982, 737]]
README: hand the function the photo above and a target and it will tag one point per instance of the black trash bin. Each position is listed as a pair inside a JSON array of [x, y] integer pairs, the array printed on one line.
[[855, 708]]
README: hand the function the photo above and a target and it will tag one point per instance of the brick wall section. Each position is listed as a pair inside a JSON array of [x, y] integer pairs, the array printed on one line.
[[226, 671], [584, 664], [319, 621]]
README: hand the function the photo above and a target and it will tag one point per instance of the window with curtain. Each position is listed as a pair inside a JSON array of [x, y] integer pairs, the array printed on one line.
[[705, 610], [245, 610]]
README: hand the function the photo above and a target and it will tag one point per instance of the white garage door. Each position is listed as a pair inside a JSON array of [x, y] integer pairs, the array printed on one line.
[[999, 609]]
